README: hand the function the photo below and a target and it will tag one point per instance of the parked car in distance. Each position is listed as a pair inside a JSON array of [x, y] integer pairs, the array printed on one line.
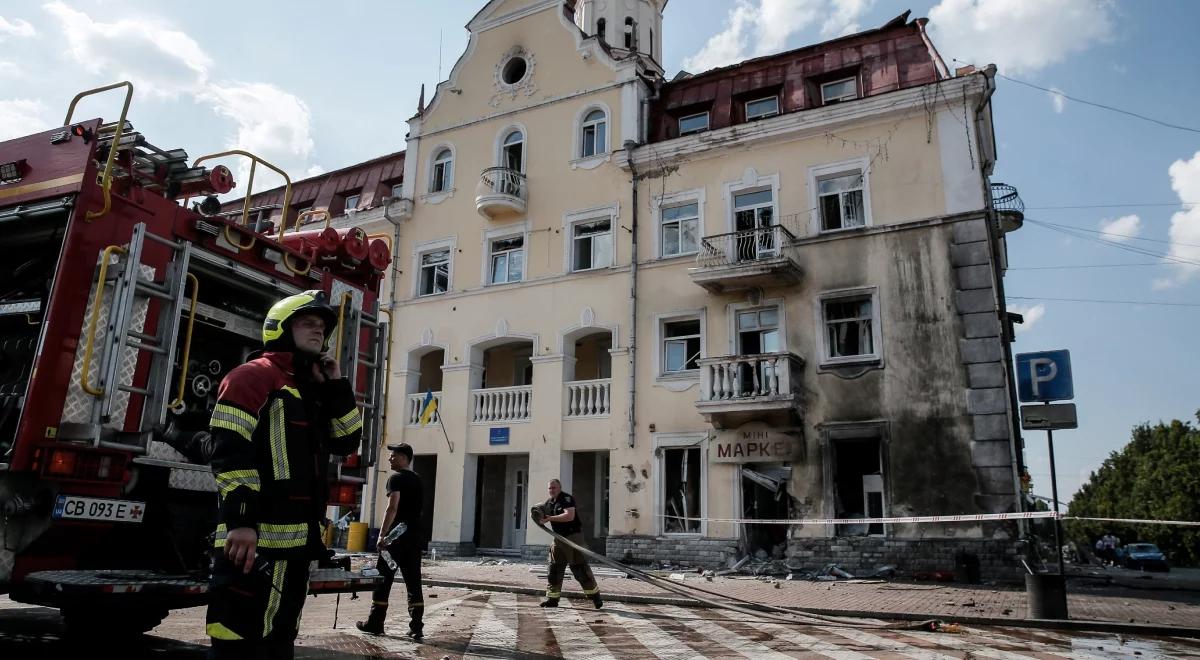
[[1145, 556]]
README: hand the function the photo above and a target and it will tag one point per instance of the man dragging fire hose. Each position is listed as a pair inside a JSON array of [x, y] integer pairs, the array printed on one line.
[[559, 511]]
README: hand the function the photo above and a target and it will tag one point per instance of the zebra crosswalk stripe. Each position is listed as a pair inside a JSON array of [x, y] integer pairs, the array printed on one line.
[[951, 641], [437, 620], [809, 642], [496, 630], [889, 644], [722, 636], [575, 637], [656, 640]]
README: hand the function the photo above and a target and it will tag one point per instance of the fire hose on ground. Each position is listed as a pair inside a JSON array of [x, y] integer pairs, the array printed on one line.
[[773, 613]]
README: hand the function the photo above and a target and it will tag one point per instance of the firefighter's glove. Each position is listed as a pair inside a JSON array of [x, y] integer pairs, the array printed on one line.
[[538, 515]]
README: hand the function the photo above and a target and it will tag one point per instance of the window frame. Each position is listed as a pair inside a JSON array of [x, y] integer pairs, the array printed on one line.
[[819, 172], [591, 238], [599, 128], [666, 441], [707, 123], [751, 182], [734, 309], [489, 240], [660, 339], [419, 252], [697, 196], [776, 112], [876, 356], [347, 197], [447, 182], [841, 99]]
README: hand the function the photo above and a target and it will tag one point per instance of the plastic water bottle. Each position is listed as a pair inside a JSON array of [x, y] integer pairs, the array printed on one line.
[[433, 554]]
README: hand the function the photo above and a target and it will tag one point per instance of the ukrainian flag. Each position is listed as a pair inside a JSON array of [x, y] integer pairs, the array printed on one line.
[[428, 407]]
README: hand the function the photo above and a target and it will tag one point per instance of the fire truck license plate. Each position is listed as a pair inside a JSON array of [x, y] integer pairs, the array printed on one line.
[[94, 508]]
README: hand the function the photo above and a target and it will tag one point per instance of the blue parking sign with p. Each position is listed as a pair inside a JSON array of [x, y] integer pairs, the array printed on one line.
[[1045, 376]]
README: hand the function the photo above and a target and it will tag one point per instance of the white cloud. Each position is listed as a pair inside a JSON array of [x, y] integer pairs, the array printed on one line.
[[10, 70], [762, 27], [1122, 229], [21, 117], [1018, 35], [1032, 314], [844, 19], [1185, 224], [156, 58], [168, 63], [15, 28], [271, 124], [1058, 100]]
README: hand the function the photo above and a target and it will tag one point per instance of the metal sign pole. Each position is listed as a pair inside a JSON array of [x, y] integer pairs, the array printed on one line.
[[1054, 494]]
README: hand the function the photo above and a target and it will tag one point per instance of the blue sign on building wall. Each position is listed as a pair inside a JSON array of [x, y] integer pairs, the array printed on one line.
[[498, 436]]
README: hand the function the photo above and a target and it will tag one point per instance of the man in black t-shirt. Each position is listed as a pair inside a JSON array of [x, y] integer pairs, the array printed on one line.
[[559, 511], [404, 506]]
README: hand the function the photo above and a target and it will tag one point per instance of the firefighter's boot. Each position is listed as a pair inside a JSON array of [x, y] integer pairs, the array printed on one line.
[[597, 601], [549, 602], [374, 623]]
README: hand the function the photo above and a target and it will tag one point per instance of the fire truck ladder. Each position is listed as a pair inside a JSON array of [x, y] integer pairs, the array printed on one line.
[[129, 284], [374, 360]]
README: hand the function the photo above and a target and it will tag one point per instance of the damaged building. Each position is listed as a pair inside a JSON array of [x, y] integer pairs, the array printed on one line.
[[726, 308]]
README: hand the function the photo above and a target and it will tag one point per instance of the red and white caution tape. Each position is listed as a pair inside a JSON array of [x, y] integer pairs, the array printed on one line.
[[981, 517]]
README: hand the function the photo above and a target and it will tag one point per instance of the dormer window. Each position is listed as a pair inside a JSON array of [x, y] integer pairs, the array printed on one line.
[[693, 123], [764, 107], [837, 91]]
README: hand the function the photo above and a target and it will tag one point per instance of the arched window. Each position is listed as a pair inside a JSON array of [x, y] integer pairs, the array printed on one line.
[[441, 177], [513, 151], [630, 33], [601, 27], [594, 134]]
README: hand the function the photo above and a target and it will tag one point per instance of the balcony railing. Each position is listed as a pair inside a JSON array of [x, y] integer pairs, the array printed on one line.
[[501, 404], [589, 398], [749, 259], [736, 378], [1009, 207], [500, 191], [742, 247], [416, 403]]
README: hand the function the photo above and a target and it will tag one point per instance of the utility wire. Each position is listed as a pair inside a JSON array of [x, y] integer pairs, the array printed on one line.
[[1116, 235], [1109, 206], [1120, 246], [1102, 106], [1110, 302], [1154, 263]]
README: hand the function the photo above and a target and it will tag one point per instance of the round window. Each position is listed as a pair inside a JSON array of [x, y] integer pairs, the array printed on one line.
[[514, 71]]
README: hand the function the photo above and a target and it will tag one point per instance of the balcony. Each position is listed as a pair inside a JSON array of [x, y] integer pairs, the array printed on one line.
[[750, 259], [1010, 209], [501, 192], [736, 389], [501, 404], [415, 404], [588, 398]]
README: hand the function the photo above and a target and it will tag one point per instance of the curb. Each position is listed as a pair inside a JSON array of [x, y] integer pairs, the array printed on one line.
[[1077, 625]]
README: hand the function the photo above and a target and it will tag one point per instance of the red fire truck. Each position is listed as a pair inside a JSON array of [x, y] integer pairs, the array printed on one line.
[[124, 299]]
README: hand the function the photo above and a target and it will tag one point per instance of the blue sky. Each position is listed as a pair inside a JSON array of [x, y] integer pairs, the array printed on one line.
[[314, 88]]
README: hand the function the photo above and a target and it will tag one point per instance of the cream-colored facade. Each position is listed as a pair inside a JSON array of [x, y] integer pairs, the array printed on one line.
[[589, 304]]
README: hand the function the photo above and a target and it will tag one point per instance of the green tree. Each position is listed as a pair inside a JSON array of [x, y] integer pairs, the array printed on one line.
[[1156, 477]]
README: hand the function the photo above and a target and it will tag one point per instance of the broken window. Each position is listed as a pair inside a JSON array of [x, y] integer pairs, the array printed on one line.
[[765, 497], [858, 485], [681, 346], [849, 327], [840, 200], [681, 490]]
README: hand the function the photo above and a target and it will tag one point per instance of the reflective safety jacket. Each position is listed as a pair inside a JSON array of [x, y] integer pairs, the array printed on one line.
[[272, 435]]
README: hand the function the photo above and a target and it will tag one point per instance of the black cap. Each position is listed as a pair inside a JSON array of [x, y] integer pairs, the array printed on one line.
[[403, 448]]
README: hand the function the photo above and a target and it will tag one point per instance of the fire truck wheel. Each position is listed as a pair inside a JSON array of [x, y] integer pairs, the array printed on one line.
[[86, 623]]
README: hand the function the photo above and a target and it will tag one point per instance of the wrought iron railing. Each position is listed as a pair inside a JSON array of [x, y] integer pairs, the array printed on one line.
[[1005, 198], [501, 181], [742, 247]]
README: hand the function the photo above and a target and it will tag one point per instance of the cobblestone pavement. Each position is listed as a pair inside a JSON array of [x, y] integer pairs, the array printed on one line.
[[473, 624]]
